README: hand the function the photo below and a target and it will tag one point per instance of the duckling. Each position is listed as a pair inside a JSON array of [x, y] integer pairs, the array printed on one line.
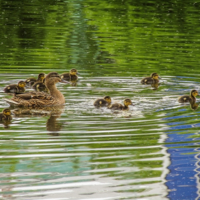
[[70, 76], [187, 98], [154, 78], [15, 88], [40, 86], [41, 99], [106, 101], [118, 106], [31, 81], [5, 115]]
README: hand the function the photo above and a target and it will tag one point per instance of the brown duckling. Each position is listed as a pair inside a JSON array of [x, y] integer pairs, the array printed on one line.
[[70, 76], [40, 99], [40, 86], [154, 78], [15, 88], [5, 115], [189, 98], [31, 81], [106, 101], [118, 106]]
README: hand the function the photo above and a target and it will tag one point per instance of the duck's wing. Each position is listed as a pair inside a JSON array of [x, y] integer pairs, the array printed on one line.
[[34, 95]]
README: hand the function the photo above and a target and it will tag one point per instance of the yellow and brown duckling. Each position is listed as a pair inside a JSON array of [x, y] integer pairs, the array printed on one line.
[[41, 99], [154, 78], [189, 98], [5, 115], [70, 76], [31, 81], [106, 101], [40, 86], [15, 88], [118, 106]]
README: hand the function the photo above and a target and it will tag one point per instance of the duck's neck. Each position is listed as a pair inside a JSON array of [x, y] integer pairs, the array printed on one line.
[[54, 92]]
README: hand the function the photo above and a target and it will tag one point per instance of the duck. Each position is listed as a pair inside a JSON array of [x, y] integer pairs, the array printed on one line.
[[70, 76], [152, 79], [15, 88], [118, 106], [41, 99], [32, 80], [40, 86], [106, 101], [5, 115], [189, 98]]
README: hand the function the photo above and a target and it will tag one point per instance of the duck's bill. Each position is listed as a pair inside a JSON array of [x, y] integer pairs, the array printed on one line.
[[159, 77], [78, 73], [64, 81]]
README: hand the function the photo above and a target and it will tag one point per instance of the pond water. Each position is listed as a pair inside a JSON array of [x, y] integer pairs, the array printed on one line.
[[78, 151]]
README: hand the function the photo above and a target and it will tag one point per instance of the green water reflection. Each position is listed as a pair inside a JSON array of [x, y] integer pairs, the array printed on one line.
[[84, 152]]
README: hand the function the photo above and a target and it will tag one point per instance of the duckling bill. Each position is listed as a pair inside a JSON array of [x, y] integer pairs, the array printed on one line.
[[154, 78], [189, 98], [106, 101], [118, 106]]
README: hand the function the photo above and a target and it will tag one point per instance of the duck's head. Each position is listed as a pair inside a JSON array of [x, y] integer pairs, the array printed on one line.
[[73, 72], [52, 78], [21, 84], [41, 76], [194, 93], [128, 102], [155, 76], [7, 112], [108, 99]]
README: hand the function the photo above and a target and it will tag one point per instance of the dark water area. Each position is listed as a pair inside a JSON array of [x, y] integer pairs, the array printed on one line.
[[150, 151]]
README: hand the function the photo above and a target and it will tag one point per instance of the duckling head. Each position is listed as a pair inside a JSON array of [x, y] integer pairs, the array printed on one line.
[[73, 72], [155, 76], [127, 102], [41, 76], [194, 93], [21, 84], [108, 99], [7, 112]]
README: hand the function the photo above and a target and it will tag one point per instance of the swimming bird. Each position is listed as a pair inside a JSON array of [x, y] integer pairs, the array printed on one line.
[[118, 106], [40, 86], [5, 115], [70, 76], [15, 88], [40, 99], [189, 98], [106, 101], [154, 78], [32, 80]]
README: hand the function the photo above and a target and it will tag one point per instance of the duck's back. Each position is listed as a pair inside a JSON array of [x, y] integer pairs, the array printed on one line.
[[116, 106], [100, 103], [184, 99], [147, 80]]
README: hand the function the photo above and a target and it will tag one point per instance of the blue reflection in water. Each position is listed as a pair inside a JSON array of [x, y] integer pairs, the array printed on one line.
[[181, 179]]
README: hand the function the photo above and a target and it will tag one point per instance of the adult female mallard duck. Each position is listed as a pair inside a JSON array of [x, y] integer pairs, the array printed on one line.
[[70, 76], [5, 115], [189, 98], [118, 106], [15, 88], [106, 101], [40, 99], [31, 81], [154, 78]]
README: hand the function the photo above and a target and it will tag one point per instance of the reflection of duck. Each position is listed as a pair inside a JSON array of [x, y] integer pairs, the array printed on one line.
[[194, 105], [106, 101], [189, 98], [15, 88], [31, 81], [118, 106], [153, 79], [37, 99], [52, 123], [5, 115], [70, 76]]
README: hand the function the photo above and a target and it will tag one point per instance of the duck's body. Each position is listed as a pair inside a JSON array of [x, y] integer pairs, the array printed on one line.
[[70, 76], [189, 98], [118, 106], [153, 79], [40, 86], [5, 115], [106, 101], [39, 99], [15, 88]]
